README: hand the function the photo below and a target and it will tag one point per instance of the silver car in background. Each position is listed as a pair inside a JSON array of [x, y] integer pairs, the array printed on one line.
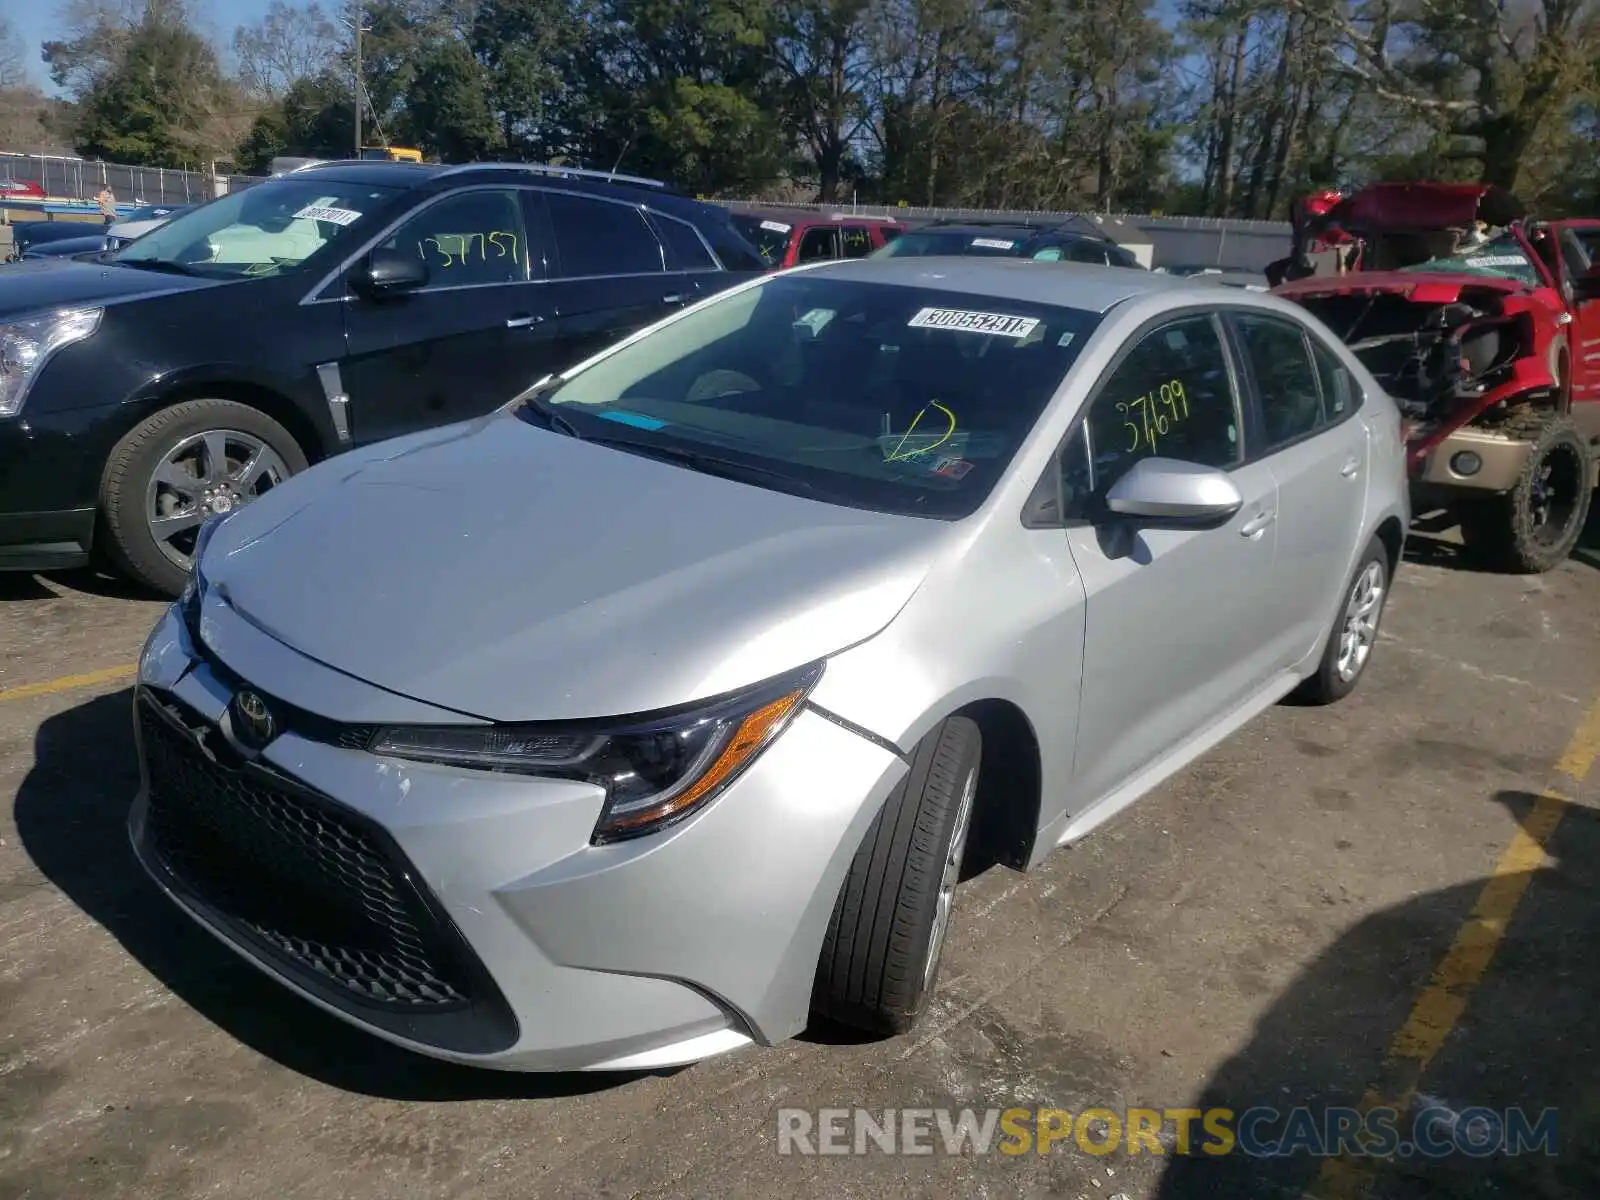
[[662, 710]]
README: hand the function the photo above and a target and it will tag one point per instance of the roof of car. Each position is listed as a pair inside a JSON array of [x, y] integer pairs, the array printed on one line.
[[1072, 285]]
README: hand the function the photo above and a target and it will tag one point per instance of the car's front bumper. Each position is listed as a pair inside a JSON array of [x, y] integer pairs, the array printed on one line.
[[640, 954], [50, 468]]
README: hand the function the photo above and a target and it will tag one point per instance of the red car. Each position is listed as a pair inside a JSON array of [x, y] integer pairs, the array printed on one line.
[[1485, 328], [20, 189], [787, 239]]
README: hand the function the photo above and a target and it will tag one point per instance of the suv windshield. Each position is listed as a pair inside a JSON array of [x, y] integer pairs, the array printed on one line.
[[872, 395], [1502, 255], [266, 228], [917, 243], [769, 237]]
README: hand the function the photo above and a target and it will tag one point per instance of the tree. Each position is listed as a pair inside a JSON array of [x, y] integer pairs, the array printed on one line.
[[529, 51], [163, 103], [287, 45], [447, 108], [315, 118], [98, 33], [821, 48]]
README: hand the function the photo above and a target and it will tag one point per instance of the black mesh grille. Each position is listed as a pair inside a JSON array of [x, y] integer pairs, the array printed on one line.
[[299, 873]]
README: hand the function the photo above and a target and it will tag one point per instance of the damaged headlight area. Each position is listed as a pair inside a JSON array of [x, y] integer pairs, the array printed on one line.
[[655, 770]]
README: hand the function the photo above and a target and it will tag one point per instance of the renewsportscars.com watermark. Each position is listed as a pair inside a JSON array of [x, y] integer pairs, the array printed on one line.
[[1259, 1132]]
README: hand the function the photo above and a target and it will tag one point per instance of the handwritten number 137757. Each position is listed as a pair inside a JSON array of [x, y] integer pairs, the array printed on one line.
[[1149, 417]]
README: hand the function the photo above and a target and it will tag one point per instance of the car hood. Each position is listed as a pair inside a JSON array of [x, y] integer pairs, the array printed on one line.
[[1425, 287], [36, 284], [1392, 207], [511, 573]]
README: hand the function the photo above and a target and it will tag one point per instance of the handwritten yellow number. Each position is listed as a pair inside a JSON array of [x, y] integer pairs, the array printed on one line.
[[1131, 427]]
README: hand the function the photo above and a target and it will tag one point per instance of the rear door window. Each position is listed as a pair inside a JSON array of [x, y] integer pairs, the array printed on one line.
[[597, 237], [687, 251], [1279, 357]]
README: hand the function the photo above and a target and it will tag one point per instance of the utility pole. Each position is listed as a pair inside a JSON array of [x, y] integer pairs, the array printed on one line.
[[357, 27]]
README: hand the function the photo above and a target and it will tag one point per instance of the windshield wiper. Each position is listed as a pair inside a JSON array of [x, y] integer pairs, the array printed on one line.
[[547, 414], [156, 264], [723, 468]]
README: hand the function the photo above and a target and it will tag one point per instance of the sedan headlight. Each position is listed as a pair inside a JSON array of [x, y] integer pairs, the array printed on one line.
[[655, 770], [26, 345]]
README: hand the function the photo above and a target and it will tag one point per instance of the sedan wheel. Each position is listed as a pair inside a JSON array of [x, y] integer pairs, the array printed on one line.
[[1354, 635]]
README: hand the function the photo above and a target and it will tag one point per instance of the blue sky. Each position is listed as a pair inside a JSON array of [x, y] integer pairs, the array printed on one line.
[[39, 21]]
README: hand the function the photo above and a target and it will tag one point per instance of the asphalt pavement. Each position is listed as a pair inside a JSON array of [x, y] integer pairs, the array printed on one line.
[[1391, 902]]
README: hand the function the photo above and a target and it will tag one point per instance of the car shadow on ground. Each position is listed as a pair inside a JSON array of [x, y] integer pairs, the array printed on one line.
[[1528, 1038], [71, 815], [86, 581], [1430, 542]]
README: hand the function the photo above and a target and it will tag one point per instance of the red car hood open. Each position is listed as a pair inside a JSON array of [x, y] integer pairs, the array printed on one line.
[[1425, 287], [1393, 207]]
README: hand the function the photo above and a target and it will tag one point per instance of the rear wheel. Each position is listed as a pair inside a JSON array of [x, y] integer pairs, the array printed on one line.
[[886, 937], [1534, 527], [184, 464], [1355, 631]]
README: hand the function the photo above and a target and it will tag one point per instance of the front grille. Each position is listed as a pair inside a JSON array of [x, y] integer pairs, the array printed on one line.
[[308, 879]]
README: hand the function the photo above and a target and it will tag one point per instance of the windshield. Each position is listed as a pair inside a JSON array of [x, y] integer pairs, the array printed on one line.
[[1502, 256], [872, 395], [267, 228], [923, 242], [770, 238]]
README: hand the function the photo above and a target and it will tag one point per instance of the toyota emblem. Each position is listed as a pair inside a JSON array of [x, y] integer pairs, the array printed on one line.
[[252, 720]]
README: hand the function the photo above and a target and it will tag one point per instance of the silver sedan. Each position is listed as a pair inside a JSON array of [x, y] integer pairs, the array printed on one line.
[[663, 710]]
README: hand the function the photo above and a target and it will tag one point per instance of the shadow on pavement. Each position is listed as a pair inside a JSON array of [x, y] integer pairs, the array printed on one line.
[[71, 814], [1588, 550], [1529, 1038]]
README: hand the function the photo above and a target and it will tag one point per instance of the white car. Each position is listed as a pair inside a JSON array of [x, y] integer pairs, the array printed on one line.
[[140, 222]]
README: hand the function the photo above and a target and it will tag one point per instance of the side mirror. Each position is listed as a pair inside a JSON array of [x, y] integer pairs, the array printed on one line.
[[1165, 491], [388, 273]]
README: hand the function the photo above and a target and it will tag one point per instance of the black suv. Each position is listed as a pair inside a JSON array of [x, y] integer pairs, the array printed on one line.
[[1055, 241], [325, 308]]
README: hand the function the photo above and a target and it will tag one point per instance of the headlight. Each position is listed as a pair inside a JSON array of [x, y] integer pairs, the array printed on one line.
[[25, 346], [194, 589], [655, 771]]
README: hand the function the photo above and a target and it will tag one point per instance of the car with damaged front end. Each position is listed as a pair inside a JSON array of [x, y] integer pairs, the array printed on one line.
[[1484, 325]]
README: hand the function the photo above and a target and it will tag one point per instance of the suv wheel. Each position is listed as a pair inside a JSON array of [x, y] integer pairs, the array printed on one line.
[[184, 464], [886, 937], [1535, 526]]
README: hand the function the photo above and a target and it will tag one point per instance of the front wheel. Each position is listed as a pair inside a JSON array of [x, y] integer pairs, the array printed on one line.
[[195, 460], [886, 937], [1534, 527]]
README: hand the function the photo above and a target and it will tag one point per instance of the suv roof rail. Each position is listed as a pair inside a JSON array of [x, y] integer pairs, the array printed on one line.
[[551, 169]]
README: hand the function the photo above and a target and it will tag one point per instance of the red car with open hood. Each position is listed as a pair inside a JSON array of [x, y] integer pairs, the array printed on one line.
[[1485, 326]]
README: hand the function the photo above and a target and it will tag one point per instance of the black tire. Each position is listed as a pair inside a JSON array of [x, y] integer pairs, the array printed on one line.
[[1534, 527], [875, 973], [1333, 681], [129, 545]]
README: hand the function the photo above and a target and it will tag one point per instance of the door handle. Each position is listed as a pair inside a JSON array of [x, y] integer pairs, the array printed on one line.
[[1257, 524], [675, 298], [1351, 466], [523, 321]]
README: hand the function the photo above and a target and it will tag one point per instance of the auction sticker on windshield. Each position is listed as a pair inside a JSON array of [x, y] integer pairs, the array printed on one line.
[[336, 216], [1497, 260], [999, 324], [993, 243], [775, 226]]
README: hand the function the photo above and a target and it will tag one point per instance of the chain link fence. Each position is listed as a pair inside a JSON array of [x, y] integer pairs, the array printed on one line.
[[1176, 241], [70, 179]]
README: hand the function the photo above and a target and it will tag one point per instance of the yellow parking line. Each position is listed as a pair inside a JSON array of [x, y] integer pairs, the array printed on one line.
[[1449, 990], [67, 683]]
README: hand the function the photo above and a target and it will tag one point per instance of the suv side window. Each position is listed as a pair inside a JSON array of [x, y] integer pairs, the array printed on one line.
[[688, 252], [1086, 252], [857, 241], [1286, 379], [597, 237], [818, 244], [1171, 396], [473, 237]]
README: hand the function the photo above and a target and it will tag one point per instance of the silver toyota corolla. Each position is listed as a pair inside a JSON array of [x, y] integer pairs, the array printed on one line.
[[660, 711]]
